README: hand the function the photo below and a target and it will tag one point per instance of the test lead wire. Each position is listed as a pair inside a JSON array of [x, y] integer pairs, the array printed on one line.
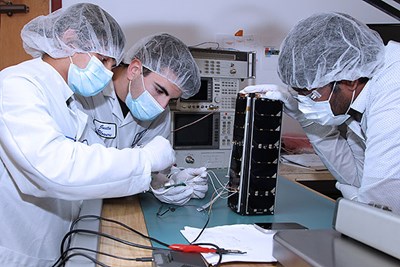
[[194, 122]]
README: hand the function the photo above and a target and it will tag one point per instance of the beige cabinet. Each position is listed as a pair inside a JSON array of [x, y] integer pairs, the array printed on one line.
[[11, 50]]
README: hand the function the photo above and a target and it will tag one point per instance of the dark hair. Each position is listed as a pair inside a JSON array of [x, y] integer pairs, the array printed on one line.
[[363, 79], [146, 71]]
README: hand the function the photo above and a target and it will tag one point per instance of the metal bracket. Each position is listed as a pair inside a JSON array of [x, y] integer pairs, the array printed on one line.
[[10, 9]]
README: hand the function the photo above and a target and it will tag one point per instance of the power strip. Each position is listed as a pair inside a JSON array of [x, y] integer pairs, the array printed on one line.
[[370, 225]]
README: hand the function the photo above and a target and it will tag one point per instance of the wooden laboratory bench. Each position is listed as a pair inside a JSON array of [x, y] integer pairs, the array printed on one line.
[[299, 173], [127, 210]]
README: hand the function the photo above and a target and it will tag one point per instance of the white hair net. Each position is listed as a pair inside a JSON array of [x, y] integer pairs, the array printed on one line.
[[79, 28], [329, 47], [169, 57]]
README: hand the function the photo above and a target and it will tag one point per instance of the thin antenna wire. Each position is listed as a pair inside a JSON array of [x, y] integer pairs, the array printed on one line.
[[194, 122]]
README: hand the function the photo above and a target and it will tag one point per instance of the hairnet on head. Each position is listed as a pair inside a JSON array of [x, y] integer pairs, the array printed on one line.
[[329, 47], [169, 57], [79, 28]]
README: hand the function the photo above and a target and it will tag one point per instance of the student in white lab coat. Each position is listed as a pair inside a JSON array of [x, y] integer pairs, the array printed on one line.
[[45, 171], [343, 74], [133, 109]]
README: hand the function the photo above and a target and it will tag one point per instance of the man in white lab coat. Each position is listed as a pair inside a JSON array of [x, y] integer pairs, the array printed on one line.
[[341, 73], [133, 109], [45, 171]]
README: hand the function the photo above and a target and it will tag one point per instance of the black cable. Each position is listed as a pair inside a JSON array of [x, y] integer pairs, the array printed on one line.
[[202, 230], [137, 232], [120, 224], [69, 239], [161, 213], [206, 224], [65, 257], [123, 241], [216, 247], [141, 259], [83, 255]]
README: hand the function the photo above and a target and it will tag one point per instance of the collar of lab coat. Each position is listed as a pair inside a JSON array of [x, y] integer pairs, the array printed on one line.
[[65, 90], [109, 91], [359, 104]]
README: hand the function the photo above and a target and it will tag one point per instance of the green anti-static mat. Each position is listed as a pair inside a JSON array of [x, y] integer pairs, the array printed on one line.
[[294, 203]]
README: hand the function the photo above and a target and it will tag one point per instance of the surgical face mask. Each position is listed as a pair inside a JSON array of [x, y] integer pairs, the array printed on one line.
[[91, 80], [145, 107], [320, 111]]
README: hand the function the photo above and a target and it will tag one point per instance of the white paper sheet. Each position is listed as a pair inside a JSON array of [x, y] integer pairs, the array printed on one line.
[[243, 237]]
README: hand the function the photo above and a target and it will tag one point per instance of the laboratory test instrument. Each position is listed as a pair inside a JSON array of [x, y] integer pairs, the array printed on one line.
[[202, 126]]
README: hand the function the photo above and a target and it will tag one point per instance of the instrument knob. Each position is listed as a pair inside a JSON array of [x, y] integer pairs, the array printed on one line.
[[189, 160]]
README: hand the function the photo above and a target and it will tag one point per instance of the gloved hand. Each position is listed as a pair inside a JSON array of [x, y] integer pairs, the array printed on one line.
[[181, 186], [174, 194], [276, 92], [348, 191], [160, 153], [193, 177]]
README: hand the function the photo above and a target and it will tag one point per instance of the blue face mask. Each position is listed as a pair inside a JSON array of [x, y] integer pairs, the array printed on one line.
[[145, 107], [91, 80]]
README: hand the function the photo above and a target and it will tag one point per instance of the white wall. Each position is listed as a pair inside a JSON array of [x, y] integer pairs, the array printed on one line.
[[201, 21]]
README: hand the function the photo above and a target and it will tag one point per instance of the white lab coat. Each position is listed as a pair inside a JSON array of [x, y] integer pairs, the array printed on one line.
[[115, 130], [44, 174], [367, 162]]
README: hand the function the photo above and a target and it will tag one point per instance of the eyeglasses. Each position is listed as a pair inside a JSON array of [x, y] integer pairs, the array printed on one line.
[[315, 93]]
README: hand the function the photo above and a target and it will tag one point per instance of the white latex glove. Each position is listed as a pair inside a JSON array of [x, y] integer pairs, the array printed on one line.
[[177, 195], [276, 92], [192, 177], [160, 153], [181, 186], [348, 191]]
